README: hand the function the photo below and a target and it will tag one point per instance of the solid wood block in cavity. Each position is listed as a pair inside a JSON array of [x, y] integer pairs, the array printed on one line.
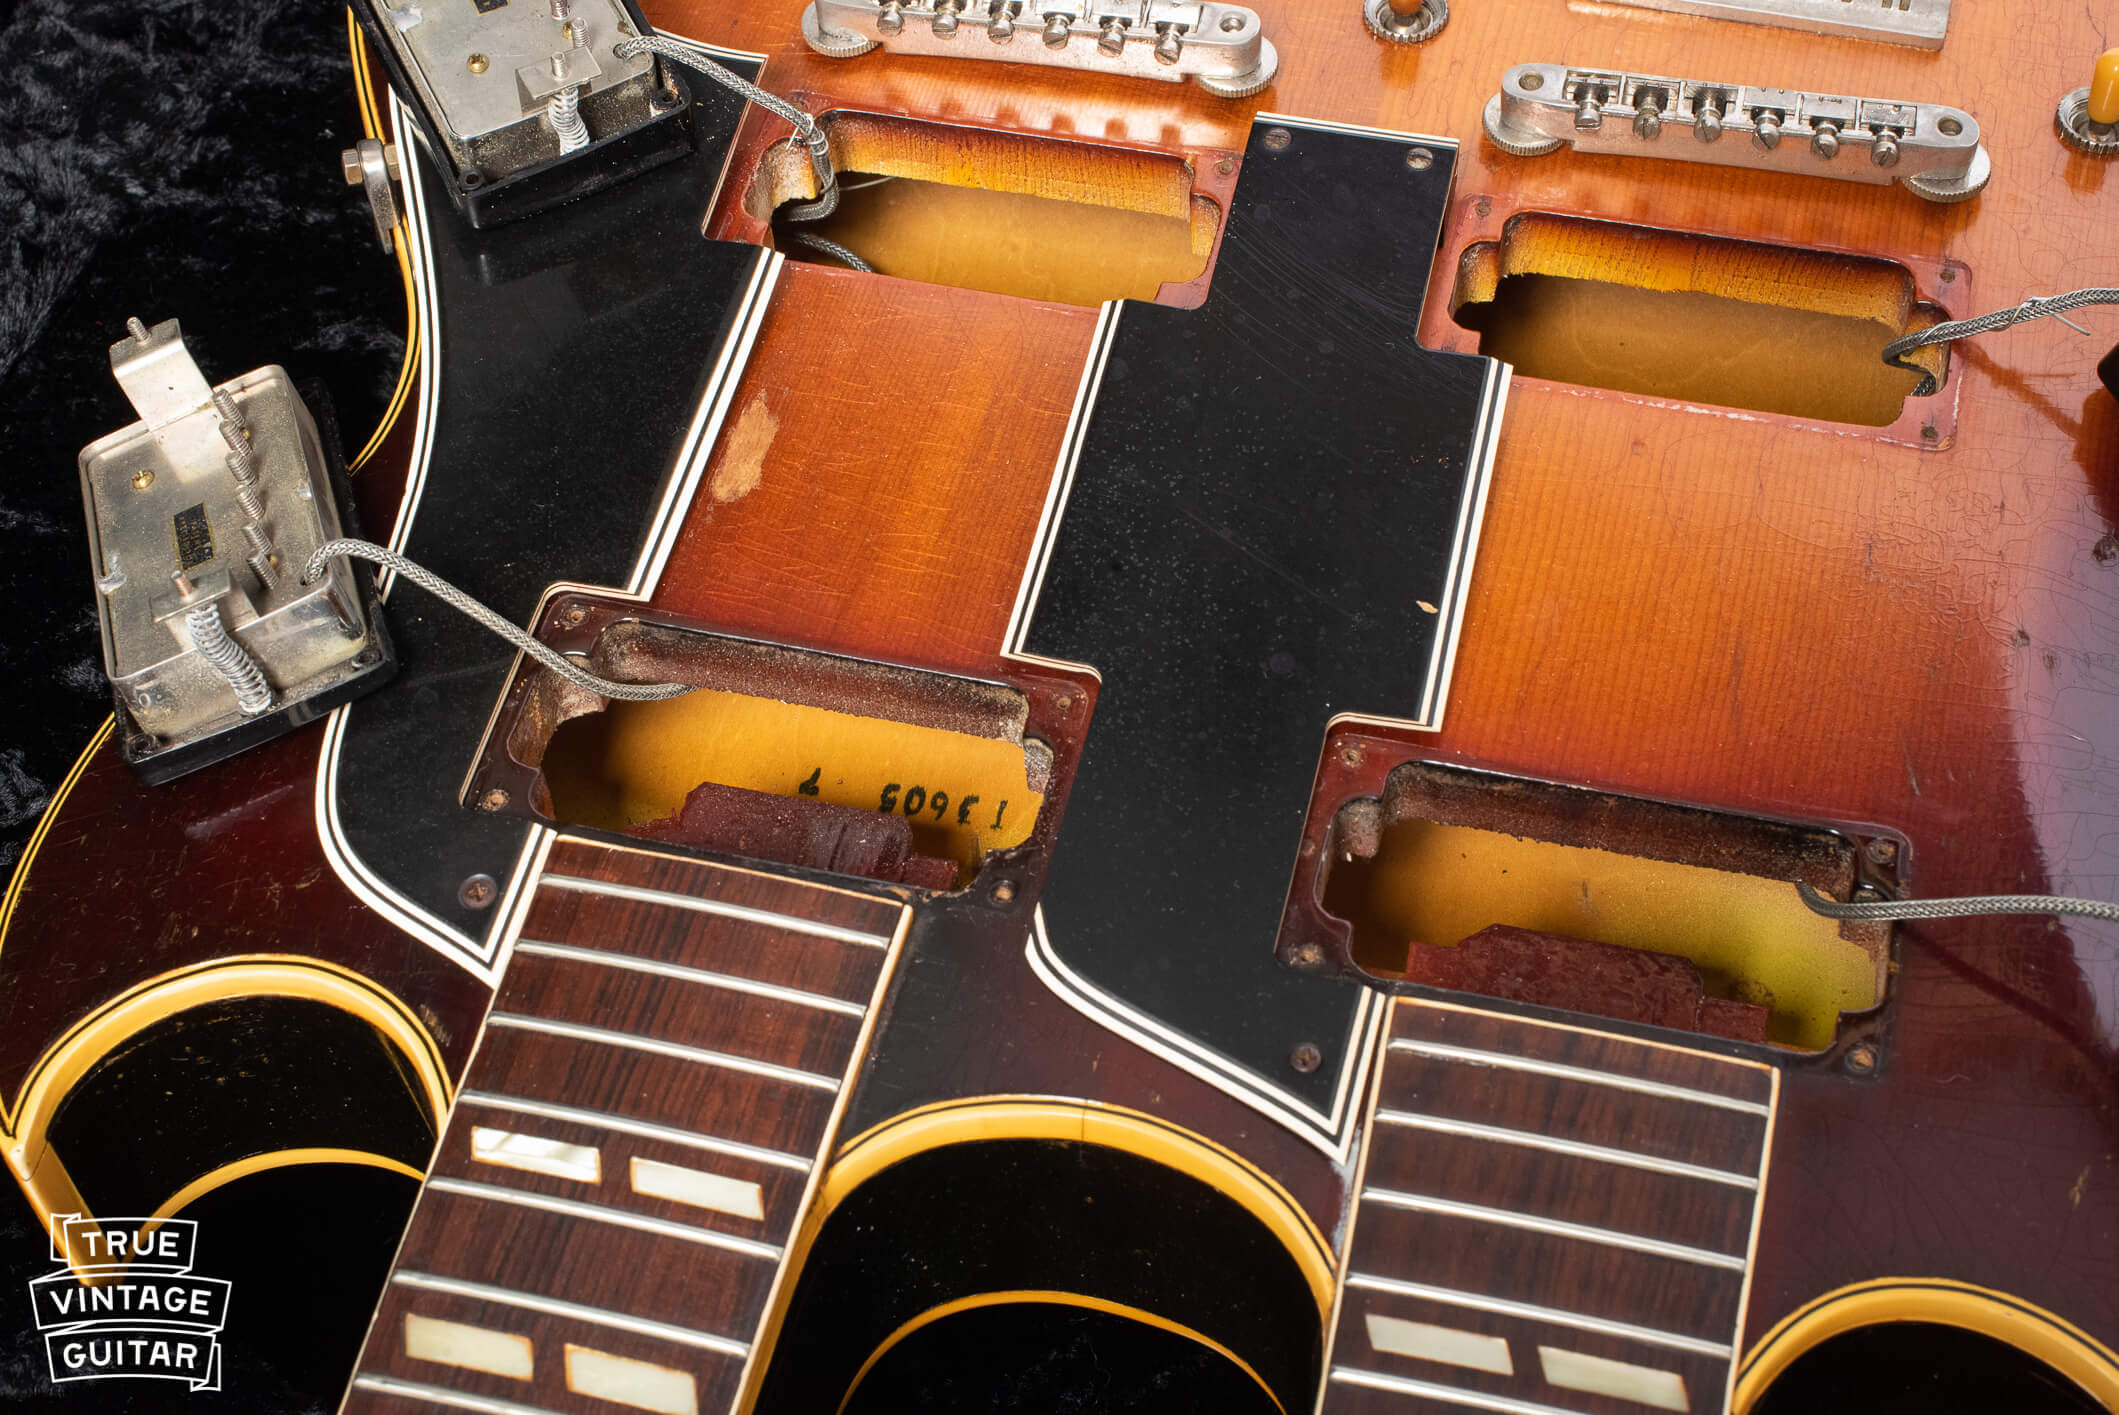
[[633, 1145], [1551, 1215]]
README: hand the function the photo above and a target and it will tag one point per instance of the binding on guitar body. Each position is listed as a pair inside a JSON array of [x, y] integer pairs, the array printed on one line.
[[1162, 706]]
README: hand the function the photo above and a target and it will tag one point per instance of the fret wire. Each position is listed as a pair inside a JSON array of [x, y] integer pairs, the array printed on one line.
[[442, 1395], [598, 1213], [607, 958], [1575, 1148], [1403, 1385], [741, 912], [575, 1031], [1445, 1052], [1610, 1238]]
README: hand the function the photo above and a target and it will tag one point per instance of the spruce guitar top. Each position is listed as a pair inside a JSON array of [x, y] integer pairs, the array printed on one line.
[[1185, 719]]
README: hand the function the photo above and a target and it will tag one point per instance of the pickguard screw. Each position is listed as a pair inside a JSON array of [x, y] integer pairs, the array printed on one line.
[[476, 63], [1928, 432], [1484, 207], [1277, 139], [573, 617], [1861, 1061], [1305, 1058], [476, 892], [1352, 756], [1063, 703], [493, 800], [1881, 851], [1419, 159], [2106, 550], [1225, 165], [1949, 275], [1004, 892], [1309, 955]]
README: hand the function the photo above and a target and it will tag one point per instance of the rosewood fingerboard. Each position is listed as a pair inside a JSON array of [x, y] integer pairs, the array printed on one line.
[[634, 1142], [1549, 1221]]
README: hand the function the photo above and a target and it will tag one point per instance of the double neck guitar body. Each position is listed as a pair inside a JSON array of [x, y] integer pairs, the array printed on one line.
[[1270, 632]]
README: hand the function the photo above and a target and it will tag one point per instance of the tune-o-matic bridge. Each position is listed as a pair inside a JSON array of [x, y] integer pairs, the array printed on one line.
[[1933, 150], [1223, 47]]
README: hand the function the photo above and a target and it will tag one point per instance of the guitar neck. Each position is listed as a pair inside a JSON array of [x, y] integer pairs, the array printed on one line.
[[629, 1156], [1548, 1214]]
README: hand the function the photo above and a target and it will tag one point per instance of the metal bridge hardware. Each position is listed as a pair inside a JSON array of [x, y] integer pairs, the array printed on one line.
[[1934, 151], [373, 166], [1223, 48], [1921, 23]]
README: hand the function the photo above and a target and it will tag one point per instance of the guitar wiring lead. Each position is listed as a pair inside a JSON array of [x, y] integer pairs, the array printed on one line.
[[2056, 306], [456, 599], [1868, 911], [805, 126]]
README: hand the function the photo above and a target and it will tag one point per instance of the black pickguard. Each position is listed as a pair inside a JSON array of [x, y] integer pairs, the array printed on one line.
[[1268, 489], [573, 353]]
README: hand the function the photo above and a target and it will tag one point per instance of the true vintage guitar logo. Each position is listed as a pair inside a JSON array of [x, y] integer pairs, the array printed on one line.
[[126, 1303]]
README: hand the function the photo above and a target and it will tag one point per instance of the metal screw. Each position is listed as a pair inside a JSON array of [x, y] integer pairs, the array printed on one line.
[[493, 800], [1824, 140], [477, 63], [1768, 135], [1707, 118], [1484, 206], [1113, 39], [2106, 550], [1352, 756], [1063, 703], [143, 479], [1309, 955], [1861, 1061], [476, 892], [1949, 127], [1277, 139], [1884, 151], [1648, 117], [572, 618], [1225, 165], [1949, 275], [1881, 851], [1057, 29], [1004, 892], [1533, 82], [1928, 432], [1419, 159], [1305, 1058], [1231, 23]]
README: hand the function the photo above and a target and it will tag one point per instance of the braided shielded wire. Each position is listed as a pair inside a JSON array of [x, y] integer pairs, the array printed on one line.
[[1868, 911], [1895, 351], [456, 599]]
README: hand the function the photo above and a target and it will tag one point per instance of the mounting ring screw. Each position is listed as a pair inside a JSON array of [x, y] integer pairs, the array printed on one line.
[[1419, 159], [477, 892], [1305, 1057], [1485, 206], [571, 619], [1881, 851], [143, 479], [493, 800], [1861, 1060], [1277, 139], [2106, 550], [476, 63], [1225, 165], [1949, 275], [1928, 432], [1231, 23], [1309, 955], [1064, 703], [1532, 82], [1004, 892], [1351, 757]]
